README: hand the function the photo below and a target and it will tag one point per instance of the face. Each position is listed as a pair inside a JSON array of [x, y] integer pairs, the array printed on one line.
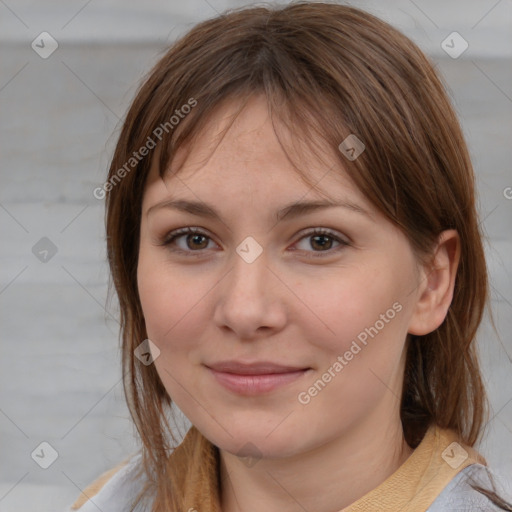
[[280, 328]]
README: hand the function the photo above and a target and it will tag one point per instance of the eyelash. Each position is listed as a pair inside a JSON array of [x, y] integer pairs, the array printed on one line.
[[174, 235]]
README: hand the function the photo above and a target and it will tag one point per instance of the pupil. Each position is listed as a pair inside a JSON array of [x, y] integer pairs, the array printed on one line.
[[196, 239], [323, 245]]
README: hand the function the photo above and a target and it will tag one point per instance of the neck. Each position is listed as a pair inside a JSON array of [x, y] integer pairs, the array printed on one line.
[[329, 477]]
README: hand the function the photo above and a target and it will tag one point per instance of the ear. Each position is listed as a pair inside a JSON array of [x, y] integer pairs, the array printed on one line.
[[436, 285]]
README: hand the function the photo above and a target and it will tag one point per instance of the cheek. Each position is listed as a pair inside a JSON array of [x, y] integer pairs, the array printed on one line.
[[364, 334], [348, 305], [171, 309], [365, 321], [163, 295]]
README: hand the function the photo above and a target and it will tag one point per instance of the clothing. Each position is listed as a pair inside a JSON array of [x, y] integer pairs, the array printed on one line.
[[436, 477]]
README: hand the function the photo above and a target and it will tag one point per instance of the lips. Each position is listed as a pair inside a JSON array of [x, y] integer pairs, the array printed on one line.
[[259, 368], [255, 378]]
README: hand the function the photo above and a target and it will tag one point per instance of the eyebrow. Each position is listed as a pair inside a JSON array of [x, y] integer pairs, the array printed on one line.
[[288, 212]]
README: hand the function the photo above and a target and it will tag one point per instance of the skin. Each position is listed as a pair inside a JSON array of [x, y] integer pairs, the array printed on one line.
[[289, 307]]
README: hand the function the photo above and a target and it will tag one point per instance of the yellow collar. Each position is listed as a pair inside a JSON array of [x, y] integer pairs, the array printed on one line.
[[412, 487], [422, 477]]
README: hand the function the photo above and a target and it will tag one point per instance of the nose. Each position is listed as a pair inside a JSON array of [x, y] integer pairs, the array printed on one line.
[[250, 300]]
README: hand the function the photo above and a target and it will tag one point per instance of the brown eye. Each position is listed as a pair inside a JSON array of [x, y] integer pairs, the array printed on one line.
[[321, 242], [187, 240], [196, 241]]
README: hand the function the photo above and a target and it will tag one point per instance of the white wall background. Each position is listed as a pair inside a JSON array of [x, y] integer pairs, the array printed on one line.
[[59, 370]]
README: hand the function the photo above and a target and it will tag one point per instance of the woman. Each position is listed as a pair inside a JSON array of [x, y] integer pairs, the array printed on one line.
[[292, 235]]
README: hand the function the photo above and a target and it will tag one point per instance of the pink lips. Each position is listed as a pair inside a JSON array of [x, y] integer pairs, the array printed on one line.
[[254, 378]]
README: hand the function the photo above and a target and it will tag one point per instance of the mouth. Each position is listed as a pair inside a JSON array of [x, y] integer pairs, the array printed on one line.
[[255, 378]]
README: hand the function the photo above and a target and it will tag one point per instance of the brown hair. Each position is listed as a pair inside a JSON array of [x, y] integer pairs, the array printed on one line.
[[327, 71]]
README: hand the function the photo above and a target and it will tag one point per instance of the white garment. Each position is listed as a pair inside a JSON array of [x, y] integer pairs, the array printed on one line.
[[458, 495], [120, 491]]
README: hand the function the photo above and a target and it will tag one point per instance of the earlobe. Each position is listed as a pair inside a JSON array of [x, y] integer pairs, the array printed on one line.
[[436, 286]]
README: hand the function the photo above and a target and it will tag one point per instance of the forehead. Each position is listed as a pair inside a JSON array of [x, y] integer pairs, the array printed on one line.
[[239, 152]]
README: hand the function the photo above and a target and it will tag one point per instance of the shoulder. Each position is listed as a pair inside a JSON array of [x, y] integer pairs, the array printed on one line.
[[115, 490], [460, 495]]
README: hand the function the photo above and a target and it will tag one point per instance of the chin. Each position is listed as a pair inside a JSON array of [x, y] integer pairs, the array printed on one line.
[[255, 439]]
